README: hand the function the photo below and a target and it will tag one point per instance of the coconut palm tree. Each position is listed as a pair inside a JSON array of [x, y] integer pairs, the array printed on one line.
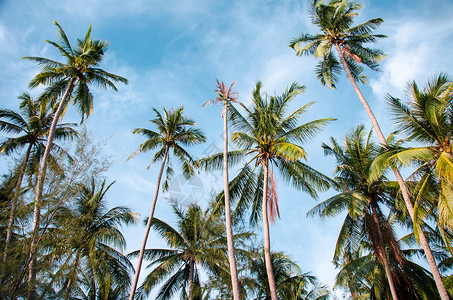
[[292, 284], [227, 97], [427, 119], [173, 132], [363, 197], [366, 279], [65, 81], [335, 19], [89, 245], [268, 137], [197, 242], [32, 126]]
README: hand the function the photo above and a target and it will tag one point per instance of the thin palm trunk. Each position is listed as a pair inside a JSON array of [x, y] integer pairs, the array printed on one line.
[[267, 239], [71, 276], [39, 189], [148, 227], [191, 275], [229, 229], [16, 195], [93, 277], [429, 255], [383, 255]]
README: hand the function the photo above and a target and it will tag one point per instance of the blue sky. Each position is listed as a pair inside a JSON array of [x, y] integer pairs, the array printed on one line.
[[172, 51]]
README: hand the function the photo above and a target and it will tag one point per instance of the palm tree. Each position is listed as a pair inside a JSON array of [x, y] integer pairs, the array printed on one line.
[[90, 244], [292, 284], [364, 277], [270, 138], [67, 80], [362, 198], [32, 126], [197, 241], [227, 96], [335, 18], [173, 131], [427, 120]]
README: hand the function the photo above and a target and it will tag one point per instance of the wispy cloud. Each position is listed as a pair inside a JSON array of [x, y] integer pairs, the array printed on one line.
[[417, 50]]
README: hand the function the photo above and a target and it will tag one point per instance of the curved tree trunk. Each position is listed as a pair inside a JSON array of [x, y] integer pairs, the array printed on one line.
[[267, 239], [16, 195], [39, 190], [424, 242], [148, 227], [229, 229], [383, 254]]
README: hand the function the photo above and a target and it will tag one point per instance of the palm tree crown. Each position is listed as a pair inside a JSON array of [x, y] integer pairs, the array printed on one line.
[[197, 241], [95, 263], [292, 284], [428, 120], [79, 70], [270, 137], [335, 19], [174, 132], [32, 126]]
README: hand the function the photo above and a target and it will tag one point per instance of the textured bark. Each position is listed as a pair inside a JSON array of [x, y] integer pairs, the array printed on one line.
[[16, 195], [383, 255], [267, 239], [148, 227], [39, 188], [229, 229], [429, 255], [191, 275]]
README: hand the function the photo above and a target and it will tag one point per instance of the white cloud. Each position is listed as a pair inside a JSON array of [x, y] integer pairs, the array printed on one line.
[[416, 52]]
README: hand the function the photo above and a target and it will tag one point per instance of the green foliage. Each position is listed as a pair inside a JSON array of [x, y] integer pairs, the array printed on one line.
[[367, 238], [174, 132], [266, 134], [87, 245], [198, 241], [30, 128], [65, 229], [335, 20], [79, 70], [426, 118], [292, 284]]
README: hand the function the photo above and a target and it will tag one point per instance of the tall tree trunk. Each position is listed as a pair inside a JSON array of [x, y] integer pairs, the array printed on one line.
[[39, 189], [191, 276], [424, 242], [16, 195], [229, 229], [148, 227], [267, 239], [383, 254]]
